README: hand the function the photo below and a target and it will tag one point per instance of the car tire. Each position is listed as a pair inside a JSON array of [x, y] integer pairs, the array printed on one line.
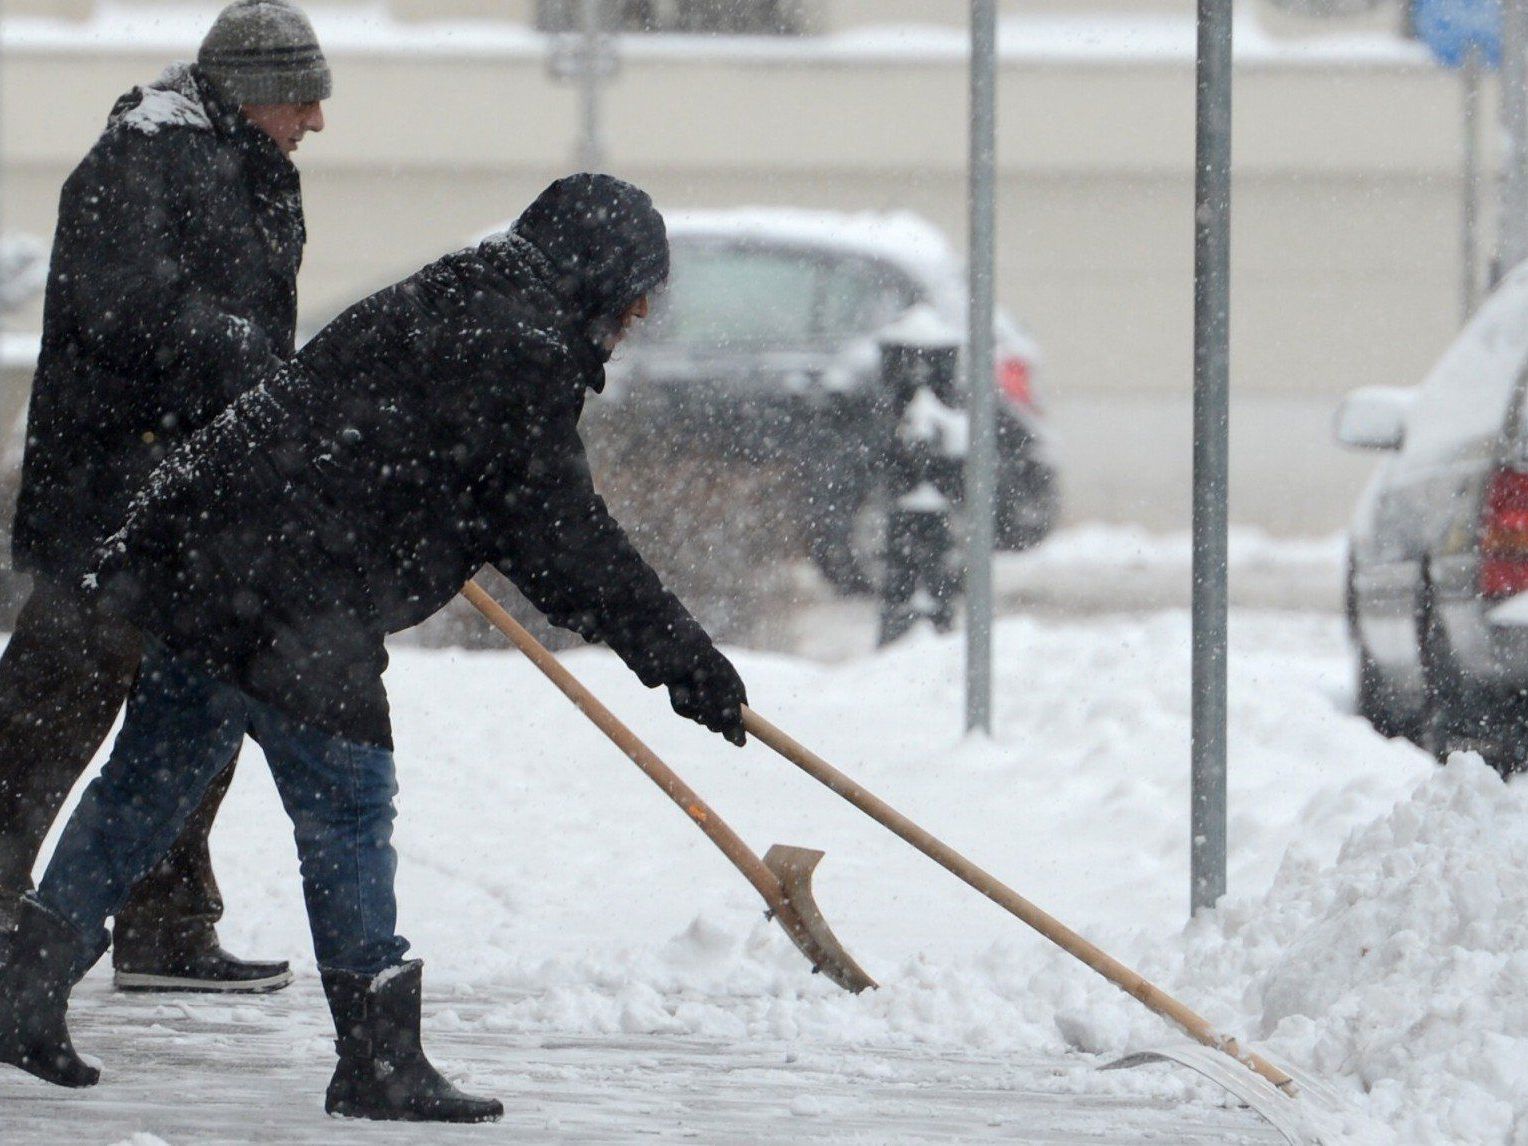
[[866, 540], [1455, 719], [848, 545], [1376, 701], [1028, 503]]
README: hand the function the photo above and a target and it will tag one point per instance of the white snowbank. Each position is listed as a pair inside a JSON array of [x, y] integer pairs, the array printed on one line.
[[1114, 550], [1403, 967]]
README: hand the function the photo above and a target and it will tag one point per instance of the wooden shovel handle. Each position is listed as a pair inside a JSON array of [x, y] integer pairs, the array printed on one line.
[[1064, 937], [732, 846]]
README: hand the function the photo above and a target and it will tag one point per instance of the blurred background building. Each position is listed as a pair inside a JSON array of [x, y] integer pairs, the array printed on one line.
[[447, 119]]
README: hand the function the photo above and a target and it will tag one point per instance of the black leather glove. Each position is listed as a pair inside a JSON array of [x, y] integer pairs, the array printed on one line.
[[711, 693]]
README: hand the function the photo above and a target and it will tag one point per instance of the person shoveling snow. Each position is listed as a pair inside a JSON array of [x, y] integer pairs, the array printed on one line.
[[425, 432]]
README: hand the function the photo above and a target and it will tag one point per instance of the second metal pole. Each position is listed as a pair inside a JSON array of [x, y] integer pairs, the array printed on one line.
[[1212, 306], [980, 460], [1470, 222], [591, 146], [1512, 227]]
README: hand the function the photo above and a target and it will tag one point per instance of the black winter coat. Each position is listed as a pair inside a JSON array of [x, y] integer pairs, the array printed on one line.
[[172, 290], [430, 429]]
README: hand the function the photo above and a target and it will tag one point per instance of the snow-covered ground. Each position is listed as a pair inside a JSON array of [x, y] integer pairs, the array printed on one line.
[[583, 940]]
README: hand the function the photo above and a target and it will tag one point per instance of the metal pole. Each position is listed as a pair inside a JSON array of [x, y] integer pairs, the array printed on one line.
[[980, 460], [1470, 249], [591, 150], [1512, 230], [1212, 306]]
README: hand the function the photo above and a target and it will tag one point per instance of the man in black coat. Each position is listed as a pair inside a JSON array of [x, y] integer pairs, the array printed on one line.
[[425, 432], [172, 290]]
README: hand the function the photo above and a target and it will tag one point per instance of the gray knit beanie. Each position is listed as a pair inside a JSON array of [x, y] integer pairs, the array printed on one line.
[[264, 51]]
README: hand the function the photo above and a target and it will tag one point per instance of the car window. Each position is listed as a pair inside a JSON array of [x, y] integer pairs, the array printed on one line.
[[858, 297], [756, 297], [1463, 400]]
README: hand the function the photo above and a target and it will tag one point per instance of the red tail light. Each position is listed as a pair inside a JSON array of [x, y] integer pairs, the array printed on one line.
[[1013, 380], [1504, 535]]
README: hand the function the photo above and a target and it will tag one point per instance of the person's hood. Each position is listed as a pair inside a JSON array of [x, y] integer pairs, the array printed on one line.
[[605, 242]]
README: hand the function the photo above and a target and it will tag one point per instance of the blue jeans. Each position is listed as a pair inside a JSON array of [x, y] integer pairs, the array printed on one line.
[[180, 730]]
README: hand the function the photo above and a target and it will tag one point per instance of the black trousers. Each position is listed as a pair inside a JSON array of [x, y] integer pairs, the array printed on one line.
[[63, 677]]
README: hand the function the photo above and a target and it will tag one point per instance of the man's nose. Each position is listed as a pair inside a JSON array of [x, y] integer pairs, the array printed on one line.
[[314, 120]]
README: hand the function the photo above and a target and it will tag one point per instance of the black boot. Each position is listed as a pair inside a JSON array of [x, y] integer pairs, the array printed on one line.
[[165, 936], [34, 996], [382, 1072], [188, 958]]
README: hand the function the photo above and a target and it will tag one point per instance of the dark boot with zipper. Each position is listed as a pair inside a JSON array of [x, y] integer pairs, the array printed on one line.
[[383, 1072], [34, 996]]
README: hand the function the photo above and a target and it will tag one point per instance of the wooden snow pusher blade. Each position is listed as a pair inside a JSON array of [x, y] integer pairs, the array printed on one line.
[[785, 885], [808, 930]]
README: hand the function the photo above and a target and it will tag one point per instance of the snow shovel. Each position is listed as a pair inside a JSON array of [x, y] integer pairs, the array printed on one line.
[[783, 877], [1065, 938]]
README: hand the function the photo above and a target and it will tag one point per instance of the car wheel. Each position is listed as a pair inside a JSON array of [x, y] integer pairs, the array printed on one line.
[[1454, 718], [867, 536], [1027, 506], [848, 544], [1376, 700]]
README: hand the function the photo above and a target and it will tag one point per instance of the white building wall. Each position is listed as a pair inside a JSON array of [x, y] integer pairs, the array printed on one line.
[[1345, 240]]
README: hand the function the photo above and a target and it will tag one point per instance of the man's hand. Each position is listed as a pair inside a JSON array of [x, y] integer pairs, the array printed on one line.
[[711, 693]]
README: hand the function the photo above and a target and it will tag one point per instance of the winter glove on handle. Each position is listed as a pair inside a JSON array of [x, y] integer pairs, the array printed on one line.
[[711, 693]]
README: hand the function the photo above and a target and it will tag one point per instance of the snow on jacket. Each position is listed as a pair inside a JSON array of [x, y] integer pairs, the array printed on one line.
[[172, 289], [428, 430]]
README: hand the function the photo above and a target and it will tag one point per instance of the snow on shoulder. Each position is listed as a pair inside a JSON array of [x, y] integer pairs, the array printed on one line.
[[161, 105]]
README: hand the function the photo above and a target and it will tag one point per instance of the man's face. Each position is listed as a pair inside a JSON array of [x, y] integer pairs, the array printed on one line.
[[286, 123], [635, 311]]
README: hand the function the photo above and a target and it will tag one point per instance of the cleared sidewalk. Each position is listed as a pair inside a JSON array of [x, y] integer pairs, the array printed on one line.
[[184, 1069]]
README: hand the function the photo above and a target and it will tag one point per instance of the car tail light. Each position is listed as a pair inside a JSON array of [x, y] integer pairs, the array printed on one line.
[[1504, 535], [1013, 380]]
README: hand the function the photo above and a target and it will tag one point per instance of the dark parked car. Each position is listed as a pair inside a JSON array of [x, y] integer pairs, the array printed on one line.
[[1437, 584], [762, 350]]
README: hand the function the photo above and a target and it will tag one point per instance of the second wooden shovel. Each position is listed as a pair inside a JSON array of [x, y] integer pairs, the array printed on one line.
[[1064, 937]]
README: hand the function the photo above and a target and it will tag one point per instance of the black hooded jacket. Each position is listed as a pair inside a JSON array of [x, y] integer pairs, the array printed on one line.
[[430, 429], [172, 289]]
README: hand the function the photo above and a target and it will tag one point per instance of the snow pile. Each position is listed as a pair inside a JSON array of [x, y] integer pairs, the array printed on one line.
[[1403, 968], [1397, 974], [1112, 550]]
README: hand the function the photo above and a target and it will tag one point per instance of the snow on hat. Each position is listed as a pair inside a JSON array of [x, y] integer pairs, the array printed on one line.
[[264, 51]]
